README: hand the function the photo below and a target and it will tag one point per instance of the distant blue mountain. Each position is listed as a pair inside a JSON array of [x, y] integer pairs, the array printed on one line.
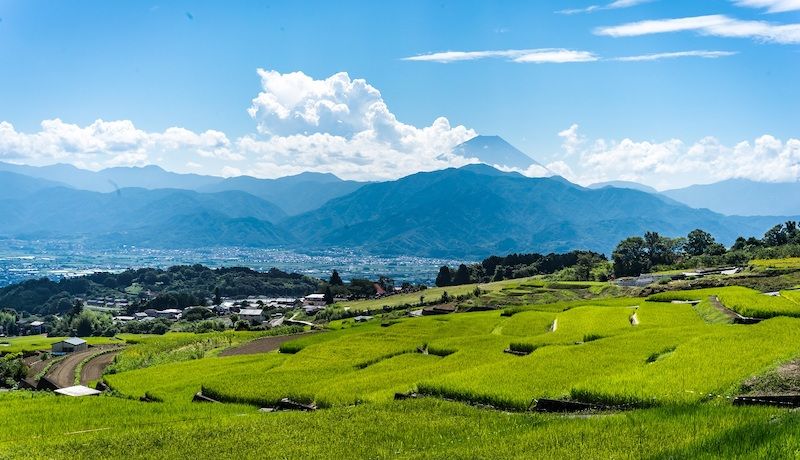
[[624, 184], [477, 210], [470, 212], [742, 197], [108, 180], [294, 194]]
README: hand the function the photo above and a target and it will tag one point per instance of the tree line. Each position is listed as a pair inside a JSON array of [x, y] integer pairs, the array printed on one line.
[[654, 252]]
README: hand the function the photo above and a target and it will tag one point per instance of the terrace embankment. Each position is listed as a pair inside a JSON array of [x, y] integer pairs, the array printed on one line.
[[735, 317], [264, 344]]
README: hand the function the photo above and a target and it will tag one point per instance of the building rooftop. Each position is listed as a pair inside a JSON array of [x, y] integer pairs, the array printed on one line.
[[74, 341], [77, 391]]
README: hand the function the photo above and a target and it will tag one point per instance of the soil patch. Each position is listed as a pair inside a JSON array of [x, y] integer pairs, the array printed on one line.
[[264, 344], [93, 370]]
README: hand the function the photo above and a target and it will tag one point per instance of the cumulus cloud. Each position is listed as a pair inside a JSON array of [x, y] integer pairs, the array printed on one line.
[[105, 143], [714, 25], [338, 124], [772, 6], [617, 4], [571, 139], [537, 56], [341, 125], [675, 163]]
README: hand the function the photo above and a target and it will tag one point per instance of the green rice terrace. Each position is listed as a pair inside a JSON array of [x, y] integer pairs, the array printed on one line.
[[528, 369]]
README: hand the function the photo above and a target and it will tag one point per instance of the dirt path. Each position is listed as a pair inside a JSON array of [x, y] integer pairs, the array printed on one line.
[[36, 364], [63, 373], [263, 345], [93, 370], [727, 311]]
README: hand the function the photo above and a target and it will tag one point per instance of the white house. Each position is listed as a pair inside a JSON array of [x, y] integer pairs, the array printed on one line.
[[314, 300], [70, 345], [255, 315]]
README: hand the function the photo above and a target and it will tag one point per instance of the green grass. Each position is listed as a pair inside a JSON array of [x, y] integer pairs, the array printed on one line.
[[44, 426], [594, 354], [781, 264], [676, 367], [43, 343], [517, 291], [744, 301], [152, 350]]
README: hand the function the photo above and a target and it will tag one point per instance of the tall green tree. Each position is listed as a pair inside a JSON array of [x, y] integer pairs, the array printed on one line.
[[444, 278], [462, 275], [631, 257], [698, 242], [328, 295], [335, 279]]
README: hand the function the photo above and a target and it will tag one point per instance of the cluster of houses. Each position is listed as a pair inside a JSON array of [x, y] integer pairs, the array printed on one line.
[[253, 309], [107, 303]]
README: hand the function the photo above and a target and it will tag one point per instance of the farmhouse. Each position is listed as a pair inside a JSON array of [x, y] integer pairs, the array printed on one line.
[[314, 300], [170, 313], [251, 314], [70, 345]]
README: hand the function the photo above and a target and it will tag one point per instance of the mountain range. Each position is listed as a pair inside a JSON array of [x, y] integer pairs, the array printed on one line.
[[471, 211]]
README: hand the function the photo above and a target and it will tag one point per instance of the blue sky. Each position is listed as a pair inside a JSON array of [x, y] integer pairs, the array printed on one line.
[[194, 65]]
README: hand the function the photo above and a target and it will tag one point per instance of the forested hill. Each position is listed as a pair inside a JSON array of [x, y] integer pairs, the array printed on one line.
[[477, 210], [178, 286]]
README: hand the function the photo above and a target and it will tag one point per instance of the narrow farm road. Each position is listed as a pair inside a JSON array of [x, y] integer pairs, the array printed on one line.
[[93, 370], [63, 373], [263, 345]]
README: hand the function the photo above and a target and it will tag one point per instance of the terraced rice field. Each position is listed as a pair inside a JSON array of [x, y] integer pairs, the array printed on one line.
[[746, 302], [596, 353]]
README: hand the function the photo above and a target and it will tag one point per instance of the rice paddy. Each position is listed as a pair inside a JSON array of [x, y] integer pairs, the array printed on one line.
[[668, 371]]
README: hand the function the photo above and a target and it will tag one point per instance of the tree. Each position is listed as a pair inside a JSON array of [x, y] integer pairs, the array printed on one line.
[[698, 242], [77, 308], [84, 326], [776, 236], [630, 257], [217, 298], [328, 295], [462, 275], [659, 248], [444, 278], [335, 280]]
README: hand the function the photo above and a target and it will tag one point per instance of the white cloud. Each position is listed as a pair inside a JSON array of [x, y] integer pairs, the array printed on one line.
[[104, 143], [556, 56], [538, 56], [715, 25], [675, 163], [617, 4], [341, 125], [572, 140], [676, 54], [772, 6]]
